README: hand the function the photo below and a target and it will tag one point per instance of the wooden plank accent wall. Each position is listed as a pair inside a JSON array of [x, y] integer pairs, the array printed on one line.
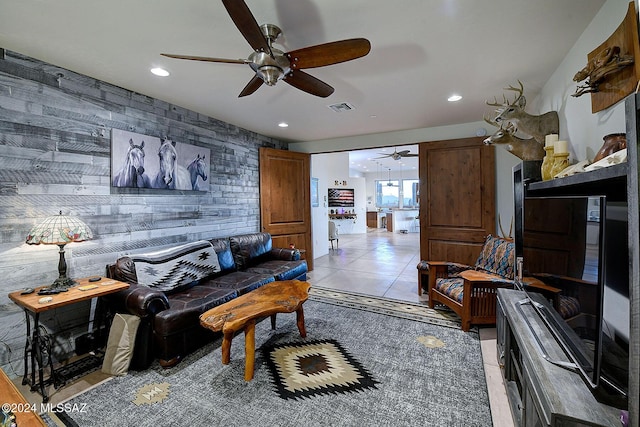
[[55, 145]]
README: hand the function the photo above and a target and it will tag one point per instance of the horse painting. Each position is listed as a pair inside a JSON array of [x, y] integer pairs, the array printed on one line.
[[132, 172], [197, 168], [171, 174]]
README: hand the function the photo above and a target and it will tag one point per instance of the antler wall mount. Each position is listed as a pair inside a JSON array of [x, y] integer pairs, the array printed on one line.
[[613, 68], [537, 126], [271, 64]]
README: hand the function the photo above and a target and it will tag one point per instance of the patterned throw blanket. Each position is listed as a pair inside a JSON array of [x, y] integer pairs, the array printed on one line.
[[176, 268]]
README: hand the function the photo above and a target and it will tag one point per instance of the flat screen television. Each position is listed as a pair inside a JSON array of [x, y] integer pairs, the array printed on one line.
[[577, 246]]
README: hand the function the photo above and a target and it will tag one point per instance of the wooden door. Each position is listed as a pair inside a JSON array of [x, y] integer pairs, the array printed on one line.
[[285, 199], [457, 199]]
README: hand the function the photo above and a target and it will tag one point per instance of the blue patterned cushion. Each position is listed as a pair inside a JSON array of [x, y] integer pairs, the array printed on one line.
[[451, 288], [454, 269], [497, 257]]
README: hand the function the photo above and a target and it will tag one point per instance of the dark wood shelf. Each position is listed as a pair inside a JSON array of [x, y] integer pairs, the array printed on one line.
[[610, 181], [343, 216]]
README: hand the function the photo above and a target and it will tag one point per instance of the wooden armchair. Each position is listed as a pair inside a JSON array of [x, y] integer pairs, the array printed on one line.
[[470, 291]]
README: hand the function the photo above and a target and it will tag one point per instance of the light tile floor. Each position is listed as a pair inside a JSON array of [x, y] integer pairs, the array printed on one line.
[[383, 264]]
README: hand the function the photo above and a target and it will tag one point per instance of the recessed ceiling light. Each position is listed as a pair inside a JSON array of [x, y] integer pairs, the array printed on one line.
[[283, 124], [454, 98], [160, 72]]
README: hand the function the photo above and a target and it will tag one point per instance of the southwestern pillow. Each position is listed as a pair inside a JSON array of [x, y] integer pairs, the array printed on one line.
[[497, 257], [177, 268]]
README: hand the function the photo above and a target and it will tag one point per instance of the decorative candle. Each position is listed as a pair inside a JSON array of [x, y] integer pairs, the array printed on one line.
[[550, 139], [560, 147]]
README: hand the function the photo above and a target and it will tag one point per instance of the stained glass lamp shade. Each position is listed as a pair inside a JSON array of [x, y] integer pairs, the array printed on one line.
[[59, 230]]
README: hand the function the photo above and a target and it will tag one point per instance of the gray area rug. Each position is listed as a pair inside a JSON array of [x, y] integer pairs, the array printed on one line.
[[426, 374]]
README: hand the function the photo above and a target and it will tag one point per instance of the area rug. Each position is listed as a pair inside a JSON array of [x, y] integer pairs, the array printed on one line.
[[440, 315], [425, 374], [307, 369]]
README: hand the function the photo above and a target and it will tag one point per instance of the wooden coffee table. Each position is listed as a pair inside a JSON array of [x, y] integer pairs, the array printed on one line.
[[241, 313]]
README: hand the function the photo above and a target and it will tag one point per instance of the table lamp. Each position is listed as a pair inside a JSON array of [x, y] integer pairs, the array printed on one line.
[[59, 230]]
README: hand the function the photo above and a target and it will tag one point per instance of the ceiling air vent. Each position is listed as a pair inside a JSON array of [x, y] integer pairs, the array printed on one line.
[[341, 106]]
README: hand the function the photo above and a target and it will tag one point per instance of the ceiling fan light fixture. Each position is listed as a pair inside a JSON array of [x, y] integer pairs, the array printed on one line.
[[270, 74]]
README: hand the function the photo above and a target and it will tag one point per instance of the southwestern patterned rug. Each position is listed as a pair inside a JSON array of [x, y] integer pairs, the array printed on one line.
[[306, 369], [417, 373]]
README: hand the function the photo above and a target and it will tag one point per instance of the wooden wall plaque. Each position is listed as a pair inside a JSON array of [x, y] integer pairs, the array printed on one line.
[[620, 84]]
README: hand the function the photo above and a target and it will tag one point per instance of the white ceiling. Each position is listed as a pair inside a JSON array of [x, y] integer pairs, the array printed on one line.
[[377, 160], [422, 52]]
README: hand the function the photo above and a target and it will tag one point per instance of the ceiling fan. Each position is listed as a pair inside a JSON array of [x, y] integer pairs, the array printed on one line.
[[397, 155], [271, 64]]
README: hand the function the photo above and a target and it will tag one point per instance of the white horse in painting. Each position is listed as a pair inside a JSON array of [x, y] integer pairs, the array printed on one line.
[[171, 175], [132, 174], [197, 168]]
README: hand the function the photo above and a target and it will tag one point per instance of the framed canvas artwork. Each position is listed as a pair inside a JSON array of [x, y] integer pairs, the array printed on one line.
[[169, 164]]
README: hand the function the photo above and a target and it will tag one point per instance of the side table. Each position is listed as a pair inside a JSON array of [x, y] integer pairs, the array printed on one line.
[[35, 341]]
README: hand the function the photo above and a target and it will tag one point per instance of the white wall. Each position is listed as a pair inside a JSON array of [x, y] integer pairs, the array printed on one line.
[[578, 125], [329, 168]]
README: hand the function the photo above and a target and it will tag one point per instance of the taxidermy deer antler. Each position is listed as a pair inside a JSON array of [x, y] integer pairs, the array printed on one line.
[[536, 126], [525, 149]]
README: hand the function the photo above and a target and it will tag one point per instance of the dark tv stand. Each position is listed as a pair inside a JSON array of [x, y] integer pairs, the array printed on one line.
[[541, 393]]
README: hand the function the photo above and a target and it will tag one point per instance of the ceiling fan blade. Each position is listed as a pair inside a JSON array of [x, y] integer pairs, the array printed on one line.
[[328, 53], [207, 59], [409, 155], [308, 83], [247, 24], [251, 87]]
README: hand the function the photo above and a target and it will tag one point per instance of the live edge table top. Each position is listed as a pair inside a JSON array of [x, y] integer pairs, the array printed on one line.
[[73, 295], [284, 296], [241, 313]]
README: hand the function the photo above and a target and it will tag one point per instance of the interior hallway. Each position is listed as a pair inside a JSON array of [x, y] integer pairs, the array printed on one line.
[[383, 264], [377, 263]]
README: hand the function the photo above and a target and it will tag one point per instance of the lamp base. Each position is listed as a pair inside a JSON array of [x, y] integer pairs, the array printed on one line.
[[61, 284]]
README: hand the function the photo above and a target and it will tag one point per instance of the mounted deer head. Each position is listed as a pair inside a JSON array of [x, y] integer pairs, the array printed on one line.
[[536, 126], [525, 149]]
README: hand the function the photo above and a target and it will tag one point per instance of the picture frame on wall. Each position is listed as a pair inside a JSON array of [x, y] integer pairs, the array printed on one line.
[[341, 197], [143, 161], [315, 201]]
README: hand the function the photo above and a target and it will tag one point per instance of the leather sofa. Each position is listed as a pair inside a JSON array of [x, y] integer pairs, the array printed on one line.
[[170, 309]]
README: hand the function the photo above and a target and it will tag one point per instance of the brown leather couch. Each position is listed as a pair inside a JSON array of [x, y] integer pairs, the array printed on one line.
[[169, 327]]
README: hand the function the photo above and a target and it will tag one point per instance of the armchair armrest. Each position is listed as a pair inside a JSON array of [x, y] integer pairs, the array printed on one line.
[[138, 300], [475, 276], [449, 269], [443, 270]]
